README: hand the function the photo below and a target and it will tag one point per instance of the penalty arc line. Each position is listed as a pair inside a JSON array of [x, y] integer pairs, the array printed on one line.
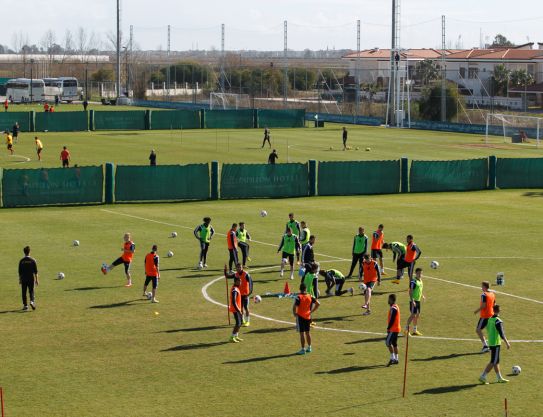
[[324, 255]]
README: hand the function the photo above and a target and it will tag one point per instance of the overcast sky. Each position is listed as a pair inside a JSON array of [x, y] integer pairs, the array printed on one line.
[[258, 24]]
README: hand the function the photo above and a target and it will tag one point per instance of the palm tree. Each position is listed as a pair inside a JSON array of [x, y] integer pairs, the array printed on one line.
[[500, 78], [427, 71]]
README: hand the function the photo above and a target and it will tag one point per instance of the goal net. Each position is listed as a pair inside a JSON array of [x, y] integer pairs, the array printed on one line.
[[225, 101], [514, 129]]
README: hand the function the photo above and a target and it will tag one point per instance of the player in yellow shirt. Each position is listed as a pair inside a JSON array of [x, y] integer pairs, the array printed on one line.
[[39, 147], [9, 141]]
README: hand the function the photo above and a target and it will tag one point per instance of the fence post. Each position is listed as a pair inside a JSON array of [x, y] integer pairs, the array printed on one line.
[[110, 183], [147, 122], [214, 180], [202, 119], [404, 184], [91, 120], [312, 177], [492, 162], [32, 121], [1, 189], [255, 119]]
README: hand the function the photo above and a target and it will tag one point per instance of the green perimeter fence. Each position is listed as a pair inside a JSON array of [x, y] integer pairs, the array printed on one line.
[[95, 185], [79, 121]]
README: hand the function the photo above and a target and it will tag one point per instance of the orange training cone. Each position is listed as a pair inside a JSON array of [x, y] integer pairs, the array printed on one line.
[[286, 290]]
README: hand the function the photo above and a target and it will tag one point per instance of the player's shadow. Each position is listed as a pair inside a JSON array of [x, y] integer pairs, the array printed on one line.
[[447, 389], [195, 276], [186, 268], [445, 357], [271, 330], [195, 329], [19, 310], [370, 340], [350, 369], [194, 346], [121, 304], [267, 280], [91, 288], [259, 359], [533, 194], [327, 320]]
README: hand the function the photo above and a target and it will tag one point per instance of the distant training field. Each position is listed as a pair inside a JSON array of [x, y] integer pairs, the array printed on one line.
[[96, 348]]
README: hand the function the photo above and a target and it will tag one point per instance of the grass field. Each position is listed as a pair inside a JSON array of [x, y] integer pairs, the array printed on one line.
[[244, 146], [63, 107], [96, 348]]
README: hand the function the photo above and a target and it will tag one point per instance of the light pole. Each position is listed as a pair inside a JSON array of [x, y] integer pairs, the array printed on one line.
[[87, 81], [31, 82], [126, 68]]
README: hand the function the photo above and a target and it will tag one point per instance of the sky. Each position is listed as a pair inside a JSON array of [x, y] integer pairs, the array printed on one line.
[[258, 24]]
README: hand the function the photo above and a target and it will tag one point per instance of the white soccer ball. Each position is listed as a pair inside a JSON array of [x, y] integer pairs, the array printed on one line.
[[174, 234], [169, 254], [434, 264], [362, 288], [149, 295], [60, 275], [76, 243], [516, 370], [258, 299], [263, 213]]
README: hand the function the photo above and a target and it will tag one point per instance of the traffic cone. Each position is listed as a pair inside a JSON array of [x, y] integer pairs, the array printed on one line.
[[286, 290]]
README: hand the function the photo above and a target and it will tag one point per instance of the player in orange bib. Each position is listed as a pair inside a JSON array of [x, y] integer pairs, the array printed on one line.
[[304, 305], [377, 240], [128, 250], [152, 273], [235, 309], [485, 310], [393, 329], [245, 288]]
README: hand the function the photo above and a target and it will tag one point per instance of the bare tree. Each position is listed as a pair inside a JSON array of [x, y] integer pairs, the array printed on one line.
[[47, 43]]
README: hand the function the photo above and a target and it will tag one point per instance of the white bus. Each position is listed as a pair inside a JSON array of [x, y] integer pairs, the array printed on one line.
[[70, 90], [53, 88], [18, 90]]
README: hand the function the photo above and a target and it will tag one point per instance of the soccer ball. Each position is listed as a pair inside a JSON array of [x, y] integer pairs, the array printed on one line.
[[263, 213], [149, 295], [516, 370], [169, 254], [60, 275], [174, 234], [363, 288], [434, 264], [357, 148], [368, 149], [76, 243], [258, 299]]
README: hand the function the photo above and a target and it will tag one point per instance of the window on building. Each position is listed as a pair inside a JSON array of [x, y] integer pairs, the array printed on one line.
[[462, 72], [473, 73]]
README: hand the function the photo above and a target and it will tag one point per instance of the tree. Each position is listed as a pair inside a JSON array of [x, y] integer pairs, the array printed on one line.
[[501, 41], [521, 78], [500, 79], [430, 102], [427, 71], [103, 74]]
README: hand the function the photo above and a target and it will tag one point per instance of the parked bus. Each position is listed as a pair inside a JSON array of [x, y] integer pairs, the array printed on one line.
[[70, 90], [53, 88], [18, 90]]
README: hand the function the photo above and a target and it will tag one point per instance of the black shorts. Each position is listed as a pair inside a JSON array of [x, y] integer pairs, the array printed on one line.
[[392, 339], [204, 245], [377, 253], [119, 261], [401, 263], [10, 147], [237, 318], [65, 162], [245, 302], [148, 279], [370, 284], [302, 325], [494, 355], [481, 324], [39, 150], [414, 309], [288, 256]]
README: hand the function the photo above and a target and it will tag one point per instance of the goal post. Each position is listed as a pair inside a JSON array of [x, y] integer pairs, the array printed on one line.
[[514, 128], [226, 101]]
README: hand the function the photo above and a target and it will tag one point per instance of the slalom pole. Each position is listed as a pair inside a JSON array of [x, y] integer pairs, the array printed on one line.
[[405, 364], [2, 400], [506, 410], [227, 297]]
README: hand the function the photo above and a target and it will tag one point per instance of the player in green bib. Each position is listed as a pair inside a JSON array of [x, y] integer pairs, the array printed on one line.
[[290, 245], [305, 233], [204, 233], [415, 297], [243, 242], [311, 279], [496, 334], [360, 247]]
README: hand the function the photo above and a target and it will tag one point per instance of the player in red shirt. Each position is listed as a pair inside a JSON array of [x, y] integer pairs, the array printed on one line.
[[65, 157]]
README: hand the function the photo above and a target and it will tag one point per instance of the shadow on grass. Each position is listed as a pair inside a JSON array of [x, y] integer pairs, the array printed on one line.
[[194, 346], [533, 194], [447, 389], [370, 340], [350, 369], [273, 330], [186, 268], [445, 357], [336, 318], [19, 310], [195, 276], [259, 359], [196, 329], [121, 304], [92, 288]]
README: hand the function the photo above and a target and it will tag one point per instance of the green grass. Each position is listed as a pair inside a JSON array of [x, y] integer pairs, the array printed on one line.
[[244, 146], [94, 347], [38, 107]]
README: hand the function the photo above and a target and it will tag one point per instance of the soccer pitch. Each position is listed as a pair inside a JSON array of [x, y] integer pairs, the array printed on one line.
[[94, 347]]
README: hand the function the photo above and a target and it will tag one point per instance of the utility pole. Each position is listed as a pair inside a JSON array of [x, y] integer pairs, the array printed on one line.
[[357, 70], [118, 49], [443, 73], [285, 69], [168, 76], [222, 59]]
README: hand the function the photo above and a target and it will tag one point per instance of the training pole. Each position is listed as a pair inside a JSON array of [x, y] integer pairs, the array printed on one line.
[[505, 404], [2, 400], [227, 298], [405, 364]]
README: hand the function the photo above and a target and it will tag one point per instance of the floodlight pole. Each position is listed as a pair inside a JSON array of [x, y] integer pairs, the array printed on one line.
[[222, 59], [118, 48], [285, 70], [443, 73], [357, 70]]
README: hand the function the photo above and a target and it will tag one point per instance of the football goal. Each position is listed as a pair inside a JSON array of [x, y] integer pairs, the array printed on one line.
[[225, 101], [514, 129]]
